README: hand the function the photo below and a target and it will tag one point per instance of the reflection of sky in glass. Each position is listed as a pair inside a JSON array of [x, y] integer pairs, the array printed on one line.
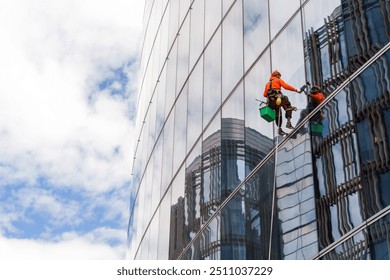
[[334, 222], [232, 53], [212, 79], [212, 17], [280, 15], [196, 31], [255, 29], [338, 163], [316, 10]]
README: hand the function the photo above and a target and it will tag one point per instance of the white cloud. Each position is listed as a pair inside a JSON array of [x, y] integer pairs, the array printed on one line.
[[69, 246], [53, 57], [59, 127]]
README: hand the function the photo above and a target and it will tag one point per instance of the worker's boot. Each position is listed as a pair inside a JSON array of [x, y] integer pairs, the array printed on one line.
[[288, 124], [281, 132]]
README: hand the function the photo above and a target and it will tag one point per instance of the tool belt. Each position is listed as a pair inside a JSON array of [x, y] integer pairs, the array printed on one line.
[[274, 94]]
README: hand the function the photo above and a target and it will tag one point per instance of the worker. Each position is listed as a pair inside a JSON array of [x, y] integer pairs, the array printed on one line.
[[316, 97], [276, 99]]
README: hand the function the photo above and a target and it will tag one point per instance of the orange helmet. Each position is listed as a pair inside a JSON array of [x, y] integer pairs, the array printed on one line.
[[276, 73]]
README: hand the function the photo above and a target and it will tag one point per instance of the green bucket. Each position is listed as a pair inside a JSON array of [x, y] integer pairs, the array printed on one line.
[[267, 113], [316, 129]]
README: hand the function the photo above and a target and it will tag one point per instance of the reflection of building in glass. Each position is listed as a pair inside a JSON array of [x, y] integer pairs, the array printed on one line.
[[296, 200], [240, 234], [210, 178], [351, 183]]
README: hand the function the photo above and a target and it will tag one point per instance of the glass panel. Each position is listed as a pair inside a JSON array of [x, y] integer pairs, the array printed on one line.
[[164, 227], [254, 87], [159, 99], [146, 210], [167, 153], [296, 201], [194, 108], [151, 124], [197, 31], [242, 229], [279, 16], [234, 106], [178, 229], [180, 129], [173, 20], [370, 87], [226, 4], [157, 167], [256, 33], [211, 169], [170, 92], [212, 17], [233, 145], [372, 243], [184, 6], [257, 195], [212, 79], [132, 227], [139, 226], [366, 24], [210, 240], [290, 66], [315, 12], [232, 49], [144, 249], [193, 183], [163, 38], [183, 54], [153, 238]]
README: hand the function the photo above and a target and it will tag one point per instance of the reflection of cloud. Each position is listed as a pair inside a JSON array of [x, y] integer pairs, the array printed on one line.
[[255, 31], [281, 16], [89, 246], [315, 10]]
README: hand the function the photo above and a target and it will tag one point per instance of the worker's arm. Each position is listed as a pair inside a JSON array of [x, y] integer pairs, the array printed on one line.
[[287, 86]]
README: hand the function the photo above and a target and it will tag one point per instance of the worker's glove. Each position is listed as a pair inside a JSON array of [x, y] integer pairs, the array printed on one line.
[[302, 88], [299, 91]]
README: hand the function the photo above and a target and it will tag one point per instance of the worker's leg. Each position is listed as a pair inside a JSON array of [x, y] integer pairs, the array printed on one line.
[[288, 108], [278, 110]]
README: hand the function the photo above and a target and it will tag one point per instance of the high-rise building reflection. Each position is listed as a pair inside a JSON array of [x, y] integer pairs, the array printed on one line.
[[210, 175]]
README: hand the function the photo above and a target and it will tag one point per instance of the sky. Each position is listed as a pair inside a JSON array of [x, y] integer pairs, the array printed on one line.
[[68, 86]]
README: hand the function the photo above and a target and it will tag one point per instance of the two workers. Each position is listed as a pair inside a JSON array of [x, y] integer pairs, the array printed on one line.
[[276, 100]]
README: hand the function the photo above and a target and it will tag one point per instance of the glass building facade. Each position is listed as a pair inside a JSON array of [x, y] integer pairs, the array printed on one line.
[[213, 180]]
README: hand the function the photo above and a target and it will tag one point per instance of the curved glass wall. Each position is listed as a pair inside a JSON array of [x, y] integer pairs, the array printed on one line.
[[213, 180]]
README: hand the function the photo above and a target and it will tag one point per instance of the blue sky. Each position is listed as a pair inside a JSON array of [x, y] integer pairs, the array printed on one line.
[[68, 86]]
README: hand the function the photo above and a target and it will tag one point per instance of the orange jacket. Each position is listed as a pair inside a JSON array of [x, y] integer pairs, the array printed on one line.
[[317, 97], [277, 84]]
